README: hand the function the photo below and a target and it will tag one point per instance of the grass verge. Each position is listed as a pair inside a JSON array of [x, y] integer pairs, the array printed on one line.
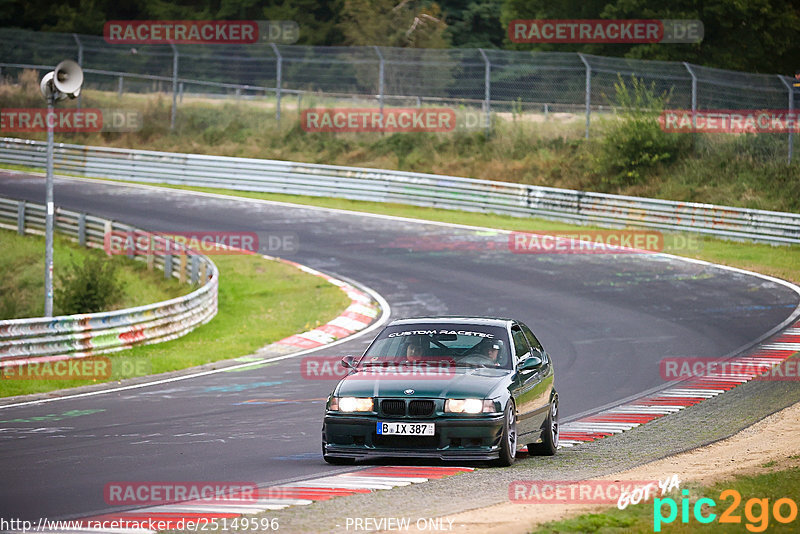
[[755, 512], [260, 302], [22, 283]]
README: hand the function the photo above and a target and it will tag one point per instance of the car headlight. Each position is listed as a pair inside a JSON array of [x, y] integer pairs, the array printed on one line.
[[473, 406], [351, 404]]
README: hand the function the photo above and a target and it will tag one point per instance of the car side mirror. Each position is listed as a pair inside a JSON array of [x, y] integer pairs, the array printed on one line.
[[532, 363], [347, 362]]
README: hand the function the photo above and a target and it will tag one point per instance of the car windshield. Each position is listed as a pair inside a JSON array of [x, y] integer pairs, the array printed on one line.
[[462, 345]]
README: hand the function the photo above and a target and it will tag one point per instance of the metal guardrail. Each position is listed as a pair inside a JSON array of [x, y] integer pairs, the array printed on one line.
[[410, 188], [94, 333]]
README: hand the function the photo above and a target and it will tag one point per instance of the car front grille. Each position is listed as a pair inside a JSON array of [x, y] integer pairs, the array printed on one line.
[[420, 407], [393, 406]]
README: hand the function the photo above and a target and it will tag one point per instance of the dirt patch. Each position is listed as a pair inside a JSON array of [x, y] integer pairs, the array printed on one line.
[[773, 439]]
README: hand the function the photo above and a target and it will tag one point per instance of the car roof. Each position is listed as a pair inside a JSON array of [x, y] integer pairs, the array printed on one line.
[[448, 319]]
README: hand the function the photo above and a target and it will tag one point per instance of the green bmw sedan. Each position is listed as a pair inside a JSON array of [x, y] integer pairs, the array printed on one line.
[[449, 388]]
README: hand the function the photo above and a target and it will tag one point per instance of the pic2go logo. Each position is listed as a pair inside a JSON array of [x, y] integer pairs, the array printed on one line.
[[756, 511]]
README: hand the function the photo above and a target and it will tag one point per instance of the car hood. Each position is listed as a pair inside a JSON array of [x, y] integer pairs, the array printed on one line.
[[461, 383]]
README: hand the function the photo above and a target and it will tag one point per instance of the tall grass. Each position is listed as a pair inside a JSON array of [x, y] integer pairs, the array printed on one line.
[[627, 154]]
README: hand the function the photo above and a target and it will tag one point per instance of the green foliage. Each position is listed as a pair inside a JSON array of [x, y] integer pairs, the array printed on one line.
[[636, 143], [387, 23], [752, 36], [87, 287]]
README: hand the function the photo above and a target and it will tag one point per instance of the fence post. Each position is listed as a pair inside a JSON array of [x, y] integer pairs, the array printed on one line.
[[380, 79], [195, 266], [21, 217], [82, 230], [588, 92], [151, 259], [694, 94], [182, 271], [791, 110], [119, 87], [487, 84], [174, 85], [278, 81], [80, 59], [168, 266]]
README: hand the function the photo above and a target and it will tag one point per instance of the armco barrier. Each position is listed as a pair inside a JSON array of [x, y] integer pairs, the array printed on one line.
[[84, 334], [409, 188]]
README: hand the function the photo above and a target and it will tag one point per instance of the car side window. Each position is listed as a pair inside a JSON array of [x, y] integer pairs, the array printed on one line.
[[521, 348], [531, 338]]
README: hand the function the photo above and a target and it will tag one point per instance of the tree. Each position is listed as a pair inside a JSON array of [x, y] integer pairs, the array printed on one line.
[[387, 23]]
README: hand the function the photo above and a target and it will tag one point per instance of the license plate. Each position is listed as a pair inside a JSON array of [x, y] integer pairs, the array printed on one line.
[[406, 429]]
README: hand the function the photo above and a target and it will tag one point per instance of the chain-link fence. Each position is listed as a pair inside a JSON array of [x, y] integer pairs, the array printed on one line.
[[493, 80]]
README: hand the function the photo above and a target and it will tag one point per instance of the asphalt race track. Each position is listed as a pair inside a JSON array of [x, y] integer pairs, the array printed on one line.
[[606, 319]]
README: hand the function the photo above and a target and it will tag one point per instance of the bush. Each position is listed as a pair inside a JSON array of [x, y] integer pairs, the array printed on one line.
[[636, 143], [92, 286]]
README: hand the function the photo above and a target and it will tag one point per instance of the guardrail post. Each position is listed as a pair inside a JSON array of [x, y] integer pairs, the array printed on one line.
[[80, 60], [151, 258], [791, 110], [487, 90], [133, 249], [21, 217], [588, 92], [82, 230], [182, 271], [168, 266], [195, 265], [380, 79], [107, 229], [278, 81], [174, 85]]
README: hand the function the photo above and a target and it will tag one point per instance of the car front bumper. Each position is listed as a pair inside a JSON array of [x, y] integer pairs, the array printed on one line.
[[455, 438]]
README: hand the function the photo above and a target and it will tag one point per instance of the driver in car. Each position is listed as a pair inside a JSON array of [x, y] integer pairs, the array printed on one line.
[[492, 350], [416, 349]]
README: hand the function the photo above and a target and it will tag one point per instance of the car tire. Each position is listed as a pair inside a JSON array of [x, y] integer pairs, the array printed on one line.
[[550, 432], [336, 460], [508, 442]]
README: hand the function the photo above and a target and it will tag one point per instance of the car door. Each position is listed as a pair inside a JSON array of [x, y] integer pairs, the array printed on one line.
[[546, 374], [525, 385]]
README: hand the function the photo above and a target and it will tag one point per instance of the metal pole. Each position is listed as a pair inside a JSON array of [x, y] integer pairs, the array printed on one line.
[[791, 109], [49, 211], [694, 95], [487, 84], [278, 82], [80, 60], [174, 86], [380, 79], [588, 93]]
